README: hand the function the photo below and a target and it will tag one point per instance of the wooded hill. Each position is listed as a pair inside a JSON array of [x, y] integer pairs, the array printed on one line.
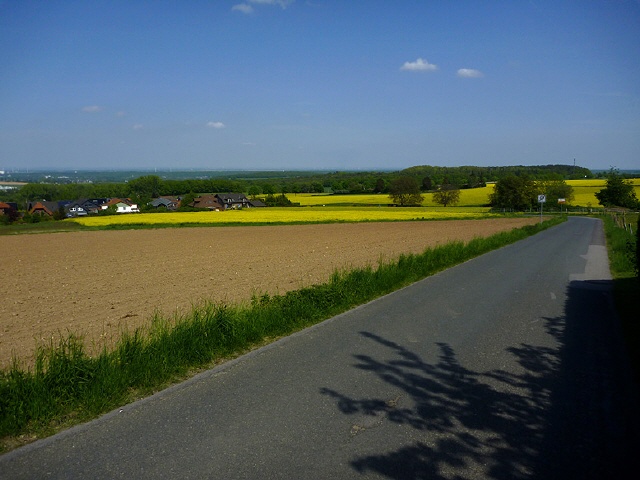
[[471, 176]]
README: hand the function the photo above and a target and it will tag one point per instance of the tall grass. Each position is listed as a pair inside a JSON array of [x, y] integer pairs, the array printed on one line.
[[621, 240], [68, 386]]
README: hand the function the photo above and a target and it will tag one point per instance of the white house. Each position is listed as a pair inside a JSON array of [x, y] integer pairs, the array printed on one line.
[[122, 207]]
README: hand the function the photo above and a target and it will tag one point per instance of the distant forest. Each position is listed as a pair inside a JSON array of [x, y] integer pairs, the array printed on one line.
[[141, 188]]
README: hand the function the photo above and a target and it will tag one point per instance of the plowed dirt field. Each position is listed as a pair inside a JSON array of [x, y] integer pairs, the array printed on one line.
[[95, 283]]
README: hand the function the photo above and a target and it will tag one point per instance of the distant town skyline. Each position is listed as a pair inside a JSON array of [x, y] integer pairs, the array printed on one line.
[[318, 85]]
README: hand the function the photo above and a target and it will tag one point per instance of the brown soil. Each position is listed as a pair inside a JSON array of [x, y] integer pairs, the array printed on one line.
[[95, 283]]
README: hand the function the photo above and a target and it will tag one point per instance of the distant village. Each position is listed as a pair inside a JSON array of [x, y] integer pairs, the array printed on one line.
[[93, 206]]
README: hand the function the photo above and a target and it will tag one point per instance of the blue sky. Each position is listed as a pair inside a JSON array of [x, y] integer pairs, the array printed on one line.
[[318, 84]]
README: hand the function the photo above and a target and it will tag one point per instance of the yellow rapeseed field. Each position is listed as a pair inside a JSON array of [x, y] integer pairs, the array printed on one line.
[[584, 191], [285, 215], [319, 208], [475, 197]]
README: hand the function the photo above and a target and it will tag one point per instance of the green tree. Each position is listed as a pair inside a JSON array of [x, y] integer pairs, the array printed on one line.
[[59, 214], [37, 191], [186, 200], [355, 187], [379, 186], [277, 200], [294, 188], [145, 188], [254, 191], [555, 189], [447, 195], [427, 184], [268, 189], [618, 192], [405, 191], [10, 216], [513, 192]]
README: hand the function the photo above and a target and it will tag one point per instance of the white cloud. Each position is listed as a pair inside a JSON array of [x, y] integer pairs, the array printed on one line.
[[420, 65], [92, 109], [469, 73], [282, 3], [243, 7], [138, 126], [215, 125], [247, 9]]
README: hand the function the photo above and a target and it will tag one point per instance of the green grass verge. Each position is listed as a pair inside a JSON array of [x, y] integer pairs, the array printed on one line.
[[66, 386], [622, 249]]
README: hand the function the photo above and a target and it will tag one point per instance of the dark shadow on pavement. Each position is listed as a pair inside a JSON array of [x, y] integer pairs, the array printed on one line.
[[569, 412]]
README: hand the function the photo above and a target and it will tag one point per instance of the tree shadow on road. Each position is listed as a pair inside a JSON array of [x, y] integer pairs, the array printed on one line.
[[555, 418]]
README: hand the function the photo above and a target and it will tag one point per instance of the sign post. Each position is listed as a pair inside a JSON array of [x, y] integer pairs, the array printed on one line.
[[541, 200], [561, 201]]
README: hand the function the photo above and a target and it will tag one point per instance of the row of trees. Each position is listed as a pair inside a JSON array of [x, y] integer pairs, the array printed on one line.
[[429, 178], [406, 191], [521, 192], [145, 188]]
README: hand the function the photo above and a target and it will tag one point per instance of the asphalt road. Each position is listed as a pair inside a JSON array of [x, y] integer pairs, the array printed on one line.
[[508, 366]]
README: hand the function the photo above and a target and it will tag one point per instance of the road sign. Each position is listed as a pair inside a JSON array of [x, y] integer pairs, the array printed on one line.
[[542, 198], [562, 200]]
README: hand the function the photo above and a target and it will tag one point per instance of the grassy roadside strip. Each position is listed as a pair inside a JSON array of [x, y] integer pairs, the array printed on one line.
[[67, 386], [622, 247]]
